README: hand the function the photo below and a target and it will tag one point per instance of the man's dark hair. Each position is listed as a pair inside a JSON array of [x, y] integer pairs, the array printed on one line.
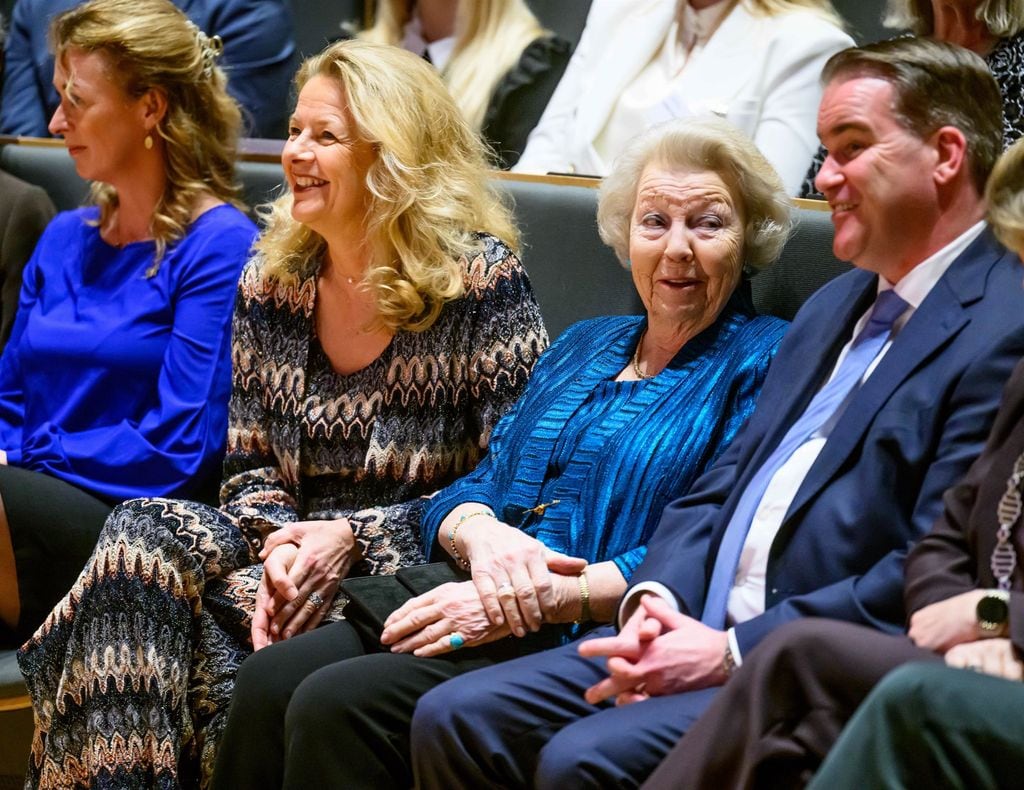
[[935, 84]]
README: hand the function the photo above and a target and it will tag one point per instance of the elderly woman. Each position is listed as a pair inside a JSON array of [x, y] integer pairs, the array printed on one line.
[[496, 59], [754, 62], [380, 331], [775, 720], [622, 414], [993, 29], [115, 380]]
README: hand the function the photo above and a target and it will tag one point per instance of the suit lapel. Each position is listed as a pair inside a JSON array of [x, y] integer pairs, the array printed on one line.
[[934, 324], [813, 358]]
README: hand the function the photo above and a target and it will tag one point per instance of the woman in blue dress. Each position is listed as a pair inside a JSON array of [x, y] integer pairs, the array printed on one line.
[[620, 416], [115, 381]]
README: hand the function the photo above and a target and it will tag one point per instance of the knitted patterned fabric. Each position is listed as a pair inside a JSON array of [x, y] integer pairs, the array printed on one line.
[[131, 673]]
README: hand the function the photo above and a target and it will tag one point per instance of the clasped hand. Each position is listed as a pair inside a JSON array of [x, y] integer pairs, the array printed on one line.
[[658, 651], [943, 625], [512, 574], [298, 560], [992, 656]]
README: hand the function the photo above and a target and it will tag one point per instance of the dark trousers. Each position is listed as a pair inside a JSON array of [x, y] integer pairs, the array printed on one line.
[[329, 709], [931, 726], [525, 724], [777, 717], [53, 527]]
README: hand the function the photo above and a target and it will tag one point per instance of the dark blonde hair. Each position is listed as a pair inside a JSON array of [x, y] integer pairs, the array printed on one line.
[[490, 36], [1003, 18], [1005, 196], [710, 144], [150, 44], [822, 8], [428, 185]]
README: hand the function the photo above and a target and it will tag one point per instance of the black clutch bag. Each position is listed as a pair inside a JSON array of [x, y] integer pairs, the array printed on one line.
[[372, 599]]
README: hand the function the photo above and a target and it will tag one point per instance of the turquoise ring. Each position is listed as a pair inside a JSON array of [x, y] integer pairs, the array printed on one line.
[[455, 640]]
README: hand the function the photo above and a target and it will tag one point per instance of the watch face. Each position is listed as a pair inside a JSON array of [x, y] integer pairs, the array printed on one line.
[[992, 609]]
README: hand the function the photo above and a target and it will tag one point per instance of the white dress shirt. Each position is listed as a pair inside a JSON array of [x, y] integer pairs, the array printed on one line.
[[746, 599], [440, 51]]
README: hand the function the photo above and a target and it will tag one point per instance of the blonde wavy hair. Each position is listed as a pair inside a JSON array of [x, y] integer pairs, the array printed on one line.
[[701, 144], [429, 193], [1003, 18], [822, 8], [151, 45], [490, 36], [1005, 196]]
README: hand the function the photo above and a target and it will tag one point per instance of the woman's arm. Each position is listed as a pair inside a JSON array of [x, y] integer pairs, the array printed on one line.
[[424, 625], [259, 491], [180, 435]]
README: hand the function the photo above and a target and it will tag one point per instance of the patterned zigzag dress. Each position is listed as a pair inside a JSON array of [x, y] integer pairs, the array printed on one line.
[[132, 671]]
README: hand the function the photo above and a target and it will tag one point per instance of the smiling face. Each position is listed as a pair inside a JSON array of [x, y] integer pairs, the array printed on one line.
[[685, 246], [325, 162], [103, 128], [878, 178]]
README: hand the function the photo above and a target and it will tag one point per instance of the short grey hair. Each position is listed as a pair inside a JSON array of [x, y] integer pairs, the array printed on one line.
[[1003, 18], [703, 144]]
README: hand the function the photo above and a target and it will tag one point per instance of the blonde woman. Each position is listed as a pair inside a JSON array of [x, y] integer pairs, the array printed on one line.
[[754, 62], [383, 327], [496, 59], [115, 381]]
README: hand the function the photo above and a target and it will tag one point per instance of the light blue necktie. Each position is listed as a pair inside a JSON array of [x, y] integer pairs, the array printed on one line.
[[826, 407]]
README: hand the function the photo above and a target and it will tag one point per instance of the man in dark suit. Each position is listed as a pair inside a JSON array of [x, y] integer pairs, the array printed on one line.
[[923, 726], [878, 400], [25, 211]]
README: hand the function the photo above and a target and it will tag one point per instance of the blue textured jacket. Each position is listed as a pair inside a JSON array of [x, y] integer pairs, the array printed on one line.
[[633, 462], [259, 59]]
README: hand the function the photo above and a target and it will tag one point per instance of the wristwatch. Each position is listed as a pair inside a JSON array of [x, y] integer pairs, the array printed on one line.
[[993, 611]]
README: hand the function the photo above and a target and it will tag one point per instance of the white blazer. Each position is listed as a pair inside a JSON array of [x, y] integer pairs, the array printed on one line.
[[760, 73]]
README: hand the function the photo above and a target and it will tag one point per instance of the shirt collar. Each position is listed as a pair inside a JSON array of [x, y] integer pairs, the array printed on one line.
[[919, 281], [696, 27]]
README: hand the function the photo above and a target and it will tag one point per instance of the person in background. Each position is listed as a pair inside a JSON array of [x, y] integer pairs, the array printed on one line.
[[964, 592], [879, 398], [994, 29], [259, 61], [755, 63], [25, 209], [381, 330], [499, 63], [115, 380]]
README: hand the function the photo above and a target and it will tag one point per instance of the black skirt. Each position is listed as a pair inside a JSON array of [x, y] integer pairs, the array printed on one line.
[[54, 527]]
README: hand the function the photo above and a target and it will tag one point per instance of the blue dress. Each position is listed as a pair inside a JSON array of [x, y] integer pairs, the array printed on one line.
[[116, 382], [613, 454]]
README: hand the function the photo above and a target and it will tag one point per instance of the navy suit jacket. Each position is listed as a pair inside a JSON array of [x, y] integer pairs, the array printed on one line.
[[910, 432]]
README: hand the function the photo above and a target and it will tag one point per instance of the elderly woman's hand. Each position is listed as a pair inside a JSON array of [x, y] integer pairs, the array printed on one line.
[[424, 625], [512, 573]]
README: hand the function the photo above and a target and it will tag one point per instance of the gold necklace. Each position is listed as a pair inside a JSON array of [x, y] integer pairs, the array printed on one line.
[[636, 359]]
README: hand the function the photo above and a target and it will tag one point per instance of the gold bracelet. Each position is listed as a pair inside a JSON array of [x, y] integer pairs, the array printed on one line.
[[456, 554], [585, 615]]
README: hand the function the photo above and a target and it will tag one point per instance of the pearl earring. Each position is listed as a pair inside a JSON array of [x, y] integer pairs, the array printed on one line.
[[148, 142]]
